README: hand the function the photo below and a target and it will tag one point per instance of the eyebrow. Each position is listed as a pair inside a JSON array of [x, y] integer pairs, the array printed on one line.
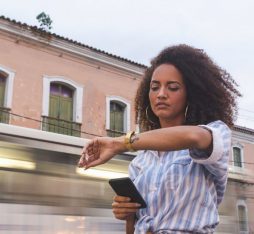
[[169, 82]]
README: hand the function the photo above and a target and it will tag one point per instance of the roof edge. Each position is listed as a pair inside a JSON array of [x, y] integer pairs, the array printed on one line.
[[243, 129], [49, 34]]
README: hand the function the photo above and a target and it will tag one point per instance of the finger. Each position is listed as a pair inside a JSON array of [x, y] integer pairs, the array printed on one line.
[[85, 158], [96, 149], [84, 150], [88, 157], [126, 211], [89, 149], [87, 144], [125, 205], [96, 146], [82, 161], [118, 198], [91, 158], [121, 217], [93, 163], [94, 152]]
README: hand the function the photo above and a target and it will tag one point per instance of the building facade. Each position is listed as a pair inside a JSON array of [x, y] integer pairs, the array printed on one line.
[[62, 89], [238, 203], [64, 85]]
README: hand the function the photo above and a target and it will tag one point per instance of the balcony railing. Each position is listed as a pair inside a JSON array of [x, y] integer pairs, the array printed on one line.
[[4, 115], [114, 133], [61, 126]]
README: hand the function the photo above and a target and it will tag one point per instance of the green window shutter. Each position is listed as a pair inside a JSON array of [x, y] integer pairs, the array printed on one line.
[[53, 113], [4, 112], [66, 114], [66, 108], [242, 214], [116, 117], [237, 157], [2, 92], [54, 106], [119, 121], [112, 120], [61, 110]]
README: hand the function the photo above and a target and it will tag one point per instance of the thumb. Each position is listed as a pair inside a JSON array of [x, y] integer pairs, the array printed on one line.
[[93, 164]]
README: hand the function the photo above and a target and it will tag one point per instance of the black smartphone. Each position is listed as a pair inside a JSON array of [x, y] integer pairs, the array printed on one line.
[[125, 187]]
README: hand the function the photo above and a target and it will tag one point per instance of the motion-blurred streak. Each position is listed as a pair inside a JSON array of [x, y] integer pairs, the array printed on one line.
[[41, 190]]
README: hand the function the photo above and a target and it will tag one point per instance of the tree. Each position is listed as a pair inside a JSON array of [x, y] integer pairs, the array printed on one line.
[[45, 21]]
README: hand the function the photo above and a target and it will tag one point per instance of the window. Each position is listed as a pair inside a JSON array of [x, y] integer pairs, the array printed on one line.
[[61, 102], [6, 89], [118, 116], [242, 217], [116, 119], [61, 109], [2, 88], [237, 154]]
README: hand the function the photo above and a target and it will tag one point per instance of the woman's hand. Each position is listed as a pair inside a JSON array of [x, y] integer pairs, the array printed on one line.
[[100, 150], [123, 208]]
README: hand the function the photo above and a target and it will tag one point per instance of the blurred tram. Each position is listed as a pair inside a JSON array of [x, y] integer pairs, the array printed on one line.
[[43, 191]]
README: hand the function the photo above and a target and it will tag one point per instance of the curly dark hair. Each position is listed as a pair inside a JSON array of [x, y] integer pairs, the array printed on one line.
[[211, 91]]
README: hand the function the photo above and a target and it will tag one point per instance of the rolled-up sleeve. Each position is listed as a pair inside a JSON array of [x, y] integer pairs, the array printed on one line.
[[216, 161]]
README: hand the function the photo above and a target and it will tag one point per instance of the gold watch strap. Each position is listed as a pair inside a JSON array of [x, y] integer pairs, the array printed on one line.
[[127, 141]]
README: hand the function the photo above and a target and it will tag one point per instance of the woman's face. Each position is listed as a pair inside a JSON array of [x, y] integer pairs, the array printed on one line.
[[167, 94]]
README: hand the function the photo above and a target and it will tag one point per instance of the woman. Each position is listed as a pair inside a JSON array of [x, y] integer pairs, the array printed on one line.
[[184, 105]]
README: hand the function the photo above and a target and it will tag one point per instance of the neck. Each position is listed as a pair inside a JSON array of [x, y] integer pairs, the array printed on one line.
[[165, 123]]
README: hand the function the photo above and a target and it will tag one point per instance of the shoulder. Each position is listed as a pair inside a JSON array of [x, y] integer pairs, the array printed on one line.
[[217, 126], [217, 123]]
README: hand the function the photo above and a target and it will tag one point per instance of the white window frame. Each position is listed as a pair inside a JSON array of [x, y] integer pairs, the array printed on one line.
[[127, 111], [77, 96], [239, 146], [242, 203], [8, 86]]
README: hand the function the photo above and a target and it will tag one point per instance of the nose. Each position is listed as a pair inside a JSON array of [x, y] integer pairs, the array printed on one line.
[[162, 93]]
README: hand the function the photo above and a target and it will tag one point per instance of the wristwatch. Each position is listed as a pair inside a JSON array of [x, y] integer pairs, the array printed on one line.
[[128, 140]]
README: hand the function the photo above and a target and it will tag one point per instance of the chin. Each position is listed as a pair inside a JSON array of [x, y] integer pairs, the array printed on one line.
[[163, 115]]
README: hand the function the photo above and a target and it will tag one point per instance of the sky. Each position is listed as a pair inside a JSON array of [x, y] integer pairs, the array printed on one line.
[[139, 29]]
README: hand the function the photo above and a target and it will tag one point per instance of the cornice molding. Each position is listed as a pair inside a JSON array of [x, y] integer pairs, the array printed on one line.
[[240, 174], [27, 33], [247, 138]]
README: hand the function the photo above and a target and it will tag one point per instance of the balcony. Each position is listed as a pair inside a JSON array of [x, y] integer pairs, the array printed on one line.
[[4, 115], [114, 133], [61, 126]]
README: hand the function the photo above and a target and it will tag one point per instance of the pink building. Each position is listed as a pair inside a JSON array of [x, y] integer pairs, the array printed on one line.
[[52, 92], [55, 80]]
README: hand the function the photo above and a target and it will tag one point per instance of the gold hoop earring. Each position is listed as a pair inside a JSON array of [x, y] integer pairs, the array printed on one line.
[[186, 111], [147, 117]]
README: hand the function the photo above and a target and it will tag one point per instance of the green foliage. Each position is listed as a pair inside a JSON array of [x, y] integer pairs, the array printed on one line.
[[45, 21]]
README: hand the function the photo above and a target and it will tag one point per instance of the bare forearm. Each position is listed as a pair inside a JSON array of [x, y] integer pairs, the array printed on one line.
[[174, 138], [130, 221]]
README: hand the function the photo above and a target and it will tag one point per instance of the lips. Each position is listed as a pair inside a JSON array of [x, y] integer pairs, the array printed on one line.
[[162, 105]]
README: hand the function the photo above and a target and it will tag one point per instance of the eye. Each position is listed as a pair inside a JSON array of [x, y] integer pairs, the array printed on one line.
[[154, 88], [173, 88]]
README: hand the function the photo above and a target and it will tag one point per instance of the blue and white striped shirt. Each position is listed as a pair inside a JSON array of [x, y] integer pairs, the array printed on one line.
[[182, 188]]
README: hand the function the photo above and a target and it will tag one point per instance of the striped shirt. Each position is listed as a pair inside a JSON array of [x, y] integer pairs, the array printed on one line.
[[182, 188]]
